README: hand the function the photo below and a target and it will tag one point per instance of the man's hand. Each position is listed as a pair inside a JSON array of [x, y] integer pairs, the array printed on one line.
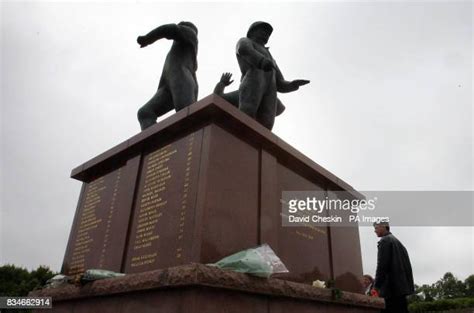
[[226, 79], [374, 293], [142, 41], [297, 83]]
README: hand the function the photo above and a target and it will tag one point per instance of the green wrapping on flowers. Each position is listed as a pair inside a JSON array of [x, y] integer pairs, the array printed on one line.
[[260, 261], [96, 274]]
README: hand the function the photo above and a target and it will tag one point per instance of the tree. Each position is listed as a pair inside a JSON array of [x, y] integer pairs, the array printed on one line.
[[41, 275], [18, 282], [449, 287], [429, 292], [469, 286]]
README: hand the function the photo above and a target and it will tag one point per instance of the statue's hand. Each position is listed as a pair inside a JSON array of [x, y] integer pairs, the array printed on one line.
[[142, 41], [226, 79], [299, 82]]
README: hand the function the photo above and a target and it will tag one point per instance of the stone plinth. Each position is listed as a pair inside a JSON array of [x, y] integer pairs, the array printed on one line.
[[199, 288], [198, 186]]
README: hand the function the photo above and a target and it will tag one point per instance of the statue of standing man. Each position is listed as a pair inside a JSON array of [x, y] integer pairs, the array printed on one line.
[[261, 77], [178, 87]]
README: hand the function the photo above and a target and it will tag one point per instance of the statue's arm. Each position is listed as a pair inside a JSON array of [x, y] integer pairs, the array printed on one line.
[[226, 80], [287, 86], [168, 31], [246, 50], [219, 89], [282, 84]]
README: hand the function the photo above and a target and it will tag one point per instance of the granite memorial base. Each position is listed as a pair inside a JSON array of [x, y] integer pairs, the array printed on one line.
[[196, 187], [199, 288]]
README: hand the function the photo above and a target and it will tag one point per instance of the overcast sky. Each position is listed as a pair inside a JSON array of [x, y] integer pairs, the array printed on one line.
[[389, 106]]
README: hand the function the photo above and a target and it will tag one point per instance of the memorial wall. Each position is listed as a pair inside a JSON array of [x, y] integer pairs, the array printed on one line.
[[163, 218], [195, 193]]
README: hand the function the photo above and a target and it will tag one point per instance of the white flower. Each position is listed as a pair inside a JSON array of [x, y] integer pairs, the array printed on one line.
[[319, 284]]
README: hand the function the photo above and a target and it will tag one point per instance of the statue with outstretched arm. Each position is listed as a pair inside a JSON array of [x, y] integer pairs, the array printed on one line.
[[233, 96], [178, 87], [261, 77]]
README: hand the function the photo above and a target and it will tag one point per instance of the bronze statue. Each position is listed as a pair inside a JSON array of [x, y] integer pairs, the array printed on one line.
[[233, 96], [261, 77], [178, 87]]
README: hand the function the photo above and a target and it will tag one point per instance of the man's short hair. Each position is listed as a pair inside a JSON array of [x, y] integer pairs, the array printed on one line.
[[387, 226], [370, 278]]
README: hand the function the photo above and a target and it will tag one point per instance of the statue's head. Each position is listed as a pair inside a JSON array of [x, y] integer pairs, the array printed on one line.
[[190, 25], [260, 31]]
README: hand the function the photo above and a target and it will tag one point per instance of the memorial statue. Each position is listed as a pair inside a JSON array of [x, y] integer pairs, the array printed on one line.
[[178, 87], [261, 77], [233, 96]]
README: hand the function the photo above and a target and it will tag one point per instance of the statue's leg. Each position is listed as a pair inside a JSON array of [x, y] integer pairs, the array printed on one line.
[[232, 97], [165, 103], [183, 90], [268, 109], [251, 91], [158, 105]]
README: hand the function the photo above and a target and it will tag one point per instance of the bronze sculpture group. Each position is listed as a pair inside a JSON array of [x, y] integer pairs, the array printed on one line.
[[178, 88]]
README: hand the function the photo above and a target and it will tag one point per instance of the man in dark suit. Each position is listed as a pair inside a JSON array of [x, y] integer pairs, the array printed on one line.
[[394, 277]]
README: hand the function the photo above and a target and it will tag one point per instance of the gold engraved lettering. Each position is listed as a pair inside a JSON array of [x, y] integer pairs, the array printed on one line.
[[157, 173], [92, 217], [304, 235], [143, 259]]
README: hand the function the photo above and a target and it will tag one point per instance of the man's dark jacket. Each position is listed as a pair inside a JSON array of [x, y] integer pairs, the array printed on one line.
[[394, 277]]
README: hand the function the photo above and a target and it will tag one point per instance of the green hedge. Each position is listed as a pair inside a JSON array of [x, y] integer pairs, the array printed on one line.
[[441, 305]]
